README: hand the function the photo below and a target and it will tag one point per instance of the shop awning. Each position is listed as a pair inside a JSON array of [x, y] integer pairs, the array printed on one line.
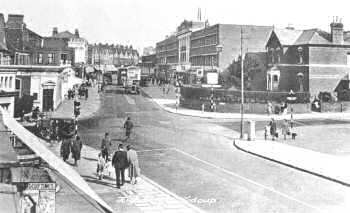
[[37, 145]]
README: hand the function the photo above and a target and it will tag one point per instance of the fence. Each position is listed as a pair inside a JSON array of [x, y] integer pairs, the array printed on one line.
[[234, 96]]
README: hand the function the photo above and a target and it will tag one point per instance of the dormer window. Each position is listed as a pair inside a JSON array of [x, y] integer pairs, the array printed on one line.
[[300, 55], [272, 55]]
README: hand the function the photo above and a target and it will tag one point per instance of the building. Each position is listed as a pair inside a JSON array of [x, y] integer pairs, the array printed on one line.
[[5, 57], [197, 47], [148, 64], [309, 60], [117, 55], [167, 54], [215, 47], [149, 51], [74, 41], [33, 65], [21, 41]]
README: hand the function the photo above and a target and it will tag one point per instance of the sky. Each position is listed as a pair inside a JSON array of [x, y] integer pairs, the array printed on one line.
[[142, 23]]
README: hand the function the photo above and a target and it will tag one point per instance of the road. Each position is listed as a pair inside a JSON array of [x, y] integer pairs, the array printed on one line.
[[195, 158]]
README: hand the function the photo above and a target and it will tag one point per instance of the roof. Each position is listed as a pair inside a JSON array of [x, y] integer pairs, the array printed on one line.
[[302, 37], [287, 36], [255, 37], [311, 36], [64, 34]]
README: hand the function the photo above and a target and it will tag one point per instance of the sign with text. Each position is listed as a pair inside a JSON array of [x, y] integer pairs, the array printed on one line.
[[212, 78]]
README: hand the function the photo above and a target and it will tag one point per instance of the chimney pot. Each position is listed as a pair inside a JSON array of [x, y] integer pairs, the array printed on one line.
[[54, 31]]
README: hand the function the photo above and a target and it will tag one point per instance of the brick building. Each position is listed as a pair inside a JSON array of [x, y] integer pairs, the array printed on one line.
[[215, 47], [309, 60], [167, 54], [197, 47], [118, 55]]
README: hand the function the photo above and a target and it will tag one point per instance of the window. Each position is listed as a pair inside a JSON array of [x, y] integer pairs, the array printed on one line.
[[40, 58], [300, 55], [35, 96], [348, 59], [2, 82], [275, 78], [50, 58], [17, 83], [6, 78], [10, 82]]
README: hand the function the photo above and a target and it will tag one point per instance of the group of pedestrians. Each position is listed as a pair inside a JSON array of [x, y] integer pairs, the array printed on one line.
[[71, 146], [271, 128], [78, 91], [123, 160]]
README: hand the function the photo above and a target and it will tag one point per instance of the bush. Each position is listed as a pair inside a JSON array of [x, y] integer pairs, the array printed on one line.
[[344, 95]]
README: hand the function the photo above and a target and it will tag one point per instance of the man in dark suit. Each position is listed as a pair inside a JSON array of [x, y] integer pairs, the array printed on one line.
[[120, 163]]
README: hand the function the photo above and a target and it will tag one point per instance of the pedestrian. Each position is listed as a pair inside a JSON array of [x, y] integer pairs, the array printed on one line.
[[106, 146], [266, 131], [120, 163], [86, 93], [167, 88], [163, 88], [273, 128], [128, 125], [269, 108], [76, 150], [100, 166], [285, 129], [134, 168], [65, 149]]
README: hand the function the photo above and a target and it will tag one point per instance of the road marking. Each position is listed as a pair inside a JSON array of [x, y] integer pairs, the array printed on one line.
[[250, 181], [152, 150], [129, 100]]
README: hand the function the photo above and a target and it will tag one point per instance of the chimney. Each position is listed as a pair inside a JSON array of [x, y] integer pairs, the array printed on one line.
[[337, 31], [15, 21], [54, 31], [76, 33]]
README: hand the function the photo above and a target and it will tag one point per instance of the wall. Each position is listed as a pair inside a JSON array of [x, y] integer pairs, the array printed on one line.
[[326, 78], [328, 55], [235, 107], [289, 80]]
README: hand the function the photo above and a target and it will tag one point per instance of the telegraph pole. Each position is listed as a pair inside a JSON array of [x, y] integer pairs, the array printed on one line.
[[242, 85]]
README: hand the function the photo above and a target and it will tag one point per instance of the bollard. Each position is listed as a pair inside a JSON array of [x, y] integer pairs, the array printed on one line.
[[251, 130]]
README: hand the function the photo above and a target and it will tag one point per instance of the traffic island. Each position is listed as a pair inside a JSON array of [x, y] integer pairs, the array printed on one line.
[[327, 166]]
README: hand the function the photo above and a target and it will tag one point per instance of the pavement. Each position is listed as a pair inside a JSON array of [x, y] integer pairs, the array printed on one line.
[[88, 106], [320, 164], [324, 165], [145, 196], [167, 103]]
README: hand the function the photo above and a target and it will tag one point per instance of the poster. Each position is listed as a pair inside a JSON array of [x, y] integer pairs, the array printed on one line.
[[38, 198]]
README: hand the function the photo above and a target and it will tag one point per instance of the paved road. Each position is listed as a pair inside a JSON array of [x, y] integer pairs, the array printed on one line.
[[194, 158]]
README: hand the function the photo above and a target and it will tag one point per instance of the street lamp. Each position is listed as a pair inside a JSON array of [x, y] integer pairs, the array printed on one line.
[[291, 98], [242, 85]]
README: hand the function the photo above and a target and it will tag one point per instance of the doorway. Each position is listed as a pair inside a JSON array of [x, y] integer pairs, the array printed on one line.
[[47, 100]]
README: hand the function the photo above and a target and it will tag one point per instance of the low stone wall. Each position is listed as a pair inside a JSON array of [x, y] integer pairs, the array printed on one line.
[[257, 108]]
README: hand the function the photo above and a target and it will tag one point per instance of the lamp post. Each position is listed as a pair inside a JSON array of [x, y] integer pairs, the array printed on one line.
[[242, 86], [291, 98]]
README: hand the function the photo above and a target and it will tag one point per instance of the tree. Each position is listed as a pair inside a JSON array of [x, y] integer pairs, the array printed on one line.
[[253, 63]]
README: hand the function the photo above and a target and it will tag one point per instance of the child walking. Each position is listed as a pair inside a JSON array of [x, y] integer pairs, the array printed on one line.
[[100, 166]]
